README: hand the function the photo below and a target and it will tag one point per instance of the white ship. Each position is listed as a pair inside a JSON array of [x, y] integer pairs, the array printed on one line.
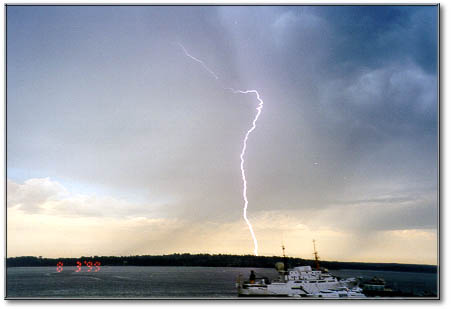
[[300, 281]]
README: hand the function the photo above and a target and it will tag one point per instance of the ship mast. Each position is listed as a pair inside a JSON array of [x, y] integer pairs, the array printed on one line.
[[315, 253], [285, 260]]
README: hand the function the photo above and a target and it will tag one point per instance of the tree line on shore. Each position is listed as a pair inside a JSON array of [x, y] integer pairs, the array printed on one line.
[[210, 260]]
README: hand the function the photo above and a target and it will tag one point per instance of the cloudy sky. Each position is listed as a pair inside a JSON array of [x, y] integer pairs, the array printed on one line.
[[120, 144]]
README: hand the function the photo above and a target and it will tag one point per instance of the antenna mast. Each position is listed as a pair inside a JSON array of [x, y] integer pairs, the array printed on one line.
[[315, 253], [285, 260]]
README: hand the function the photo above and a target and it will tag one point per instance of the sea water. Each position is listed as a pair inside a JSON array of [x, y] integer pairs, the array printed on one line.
[[167, 282]]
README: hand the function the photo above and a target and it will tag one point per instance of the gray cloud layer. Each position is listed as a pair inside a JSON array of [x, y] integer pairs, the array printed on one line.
[[103, 96]]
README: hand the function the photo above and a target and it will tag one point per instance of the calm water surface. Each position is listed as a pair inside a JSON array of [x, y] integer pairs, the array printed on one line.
[[166, 282]]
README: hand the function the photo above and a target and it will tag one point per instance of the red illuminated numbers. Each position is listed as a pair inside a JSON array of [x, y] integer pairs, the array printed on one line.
[[89, 264], [97, 265], [78, 267]]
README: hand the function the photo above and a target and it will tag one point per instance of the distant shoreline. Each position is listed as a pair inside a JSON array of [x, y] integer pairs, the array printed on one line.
[[212, 260]]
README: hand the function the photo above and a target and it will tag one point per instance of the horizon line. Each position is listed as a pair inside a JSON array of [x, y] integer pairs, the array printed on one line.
[[217, 254]]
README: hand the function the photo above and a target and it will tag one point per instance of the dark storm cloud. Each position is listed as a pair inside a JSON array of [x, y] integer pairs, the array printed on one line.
[[105, 97], [374, 35]]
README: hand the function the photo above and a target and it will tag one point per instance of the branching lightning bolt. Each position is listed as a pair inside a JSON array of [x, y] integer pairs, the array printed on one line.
[[246, 137]]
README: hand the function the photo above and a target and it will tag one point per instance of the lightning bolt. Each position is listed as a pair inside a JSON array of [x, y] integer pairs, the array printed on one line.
[[246, 137], [243, 174], [197, 60]]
